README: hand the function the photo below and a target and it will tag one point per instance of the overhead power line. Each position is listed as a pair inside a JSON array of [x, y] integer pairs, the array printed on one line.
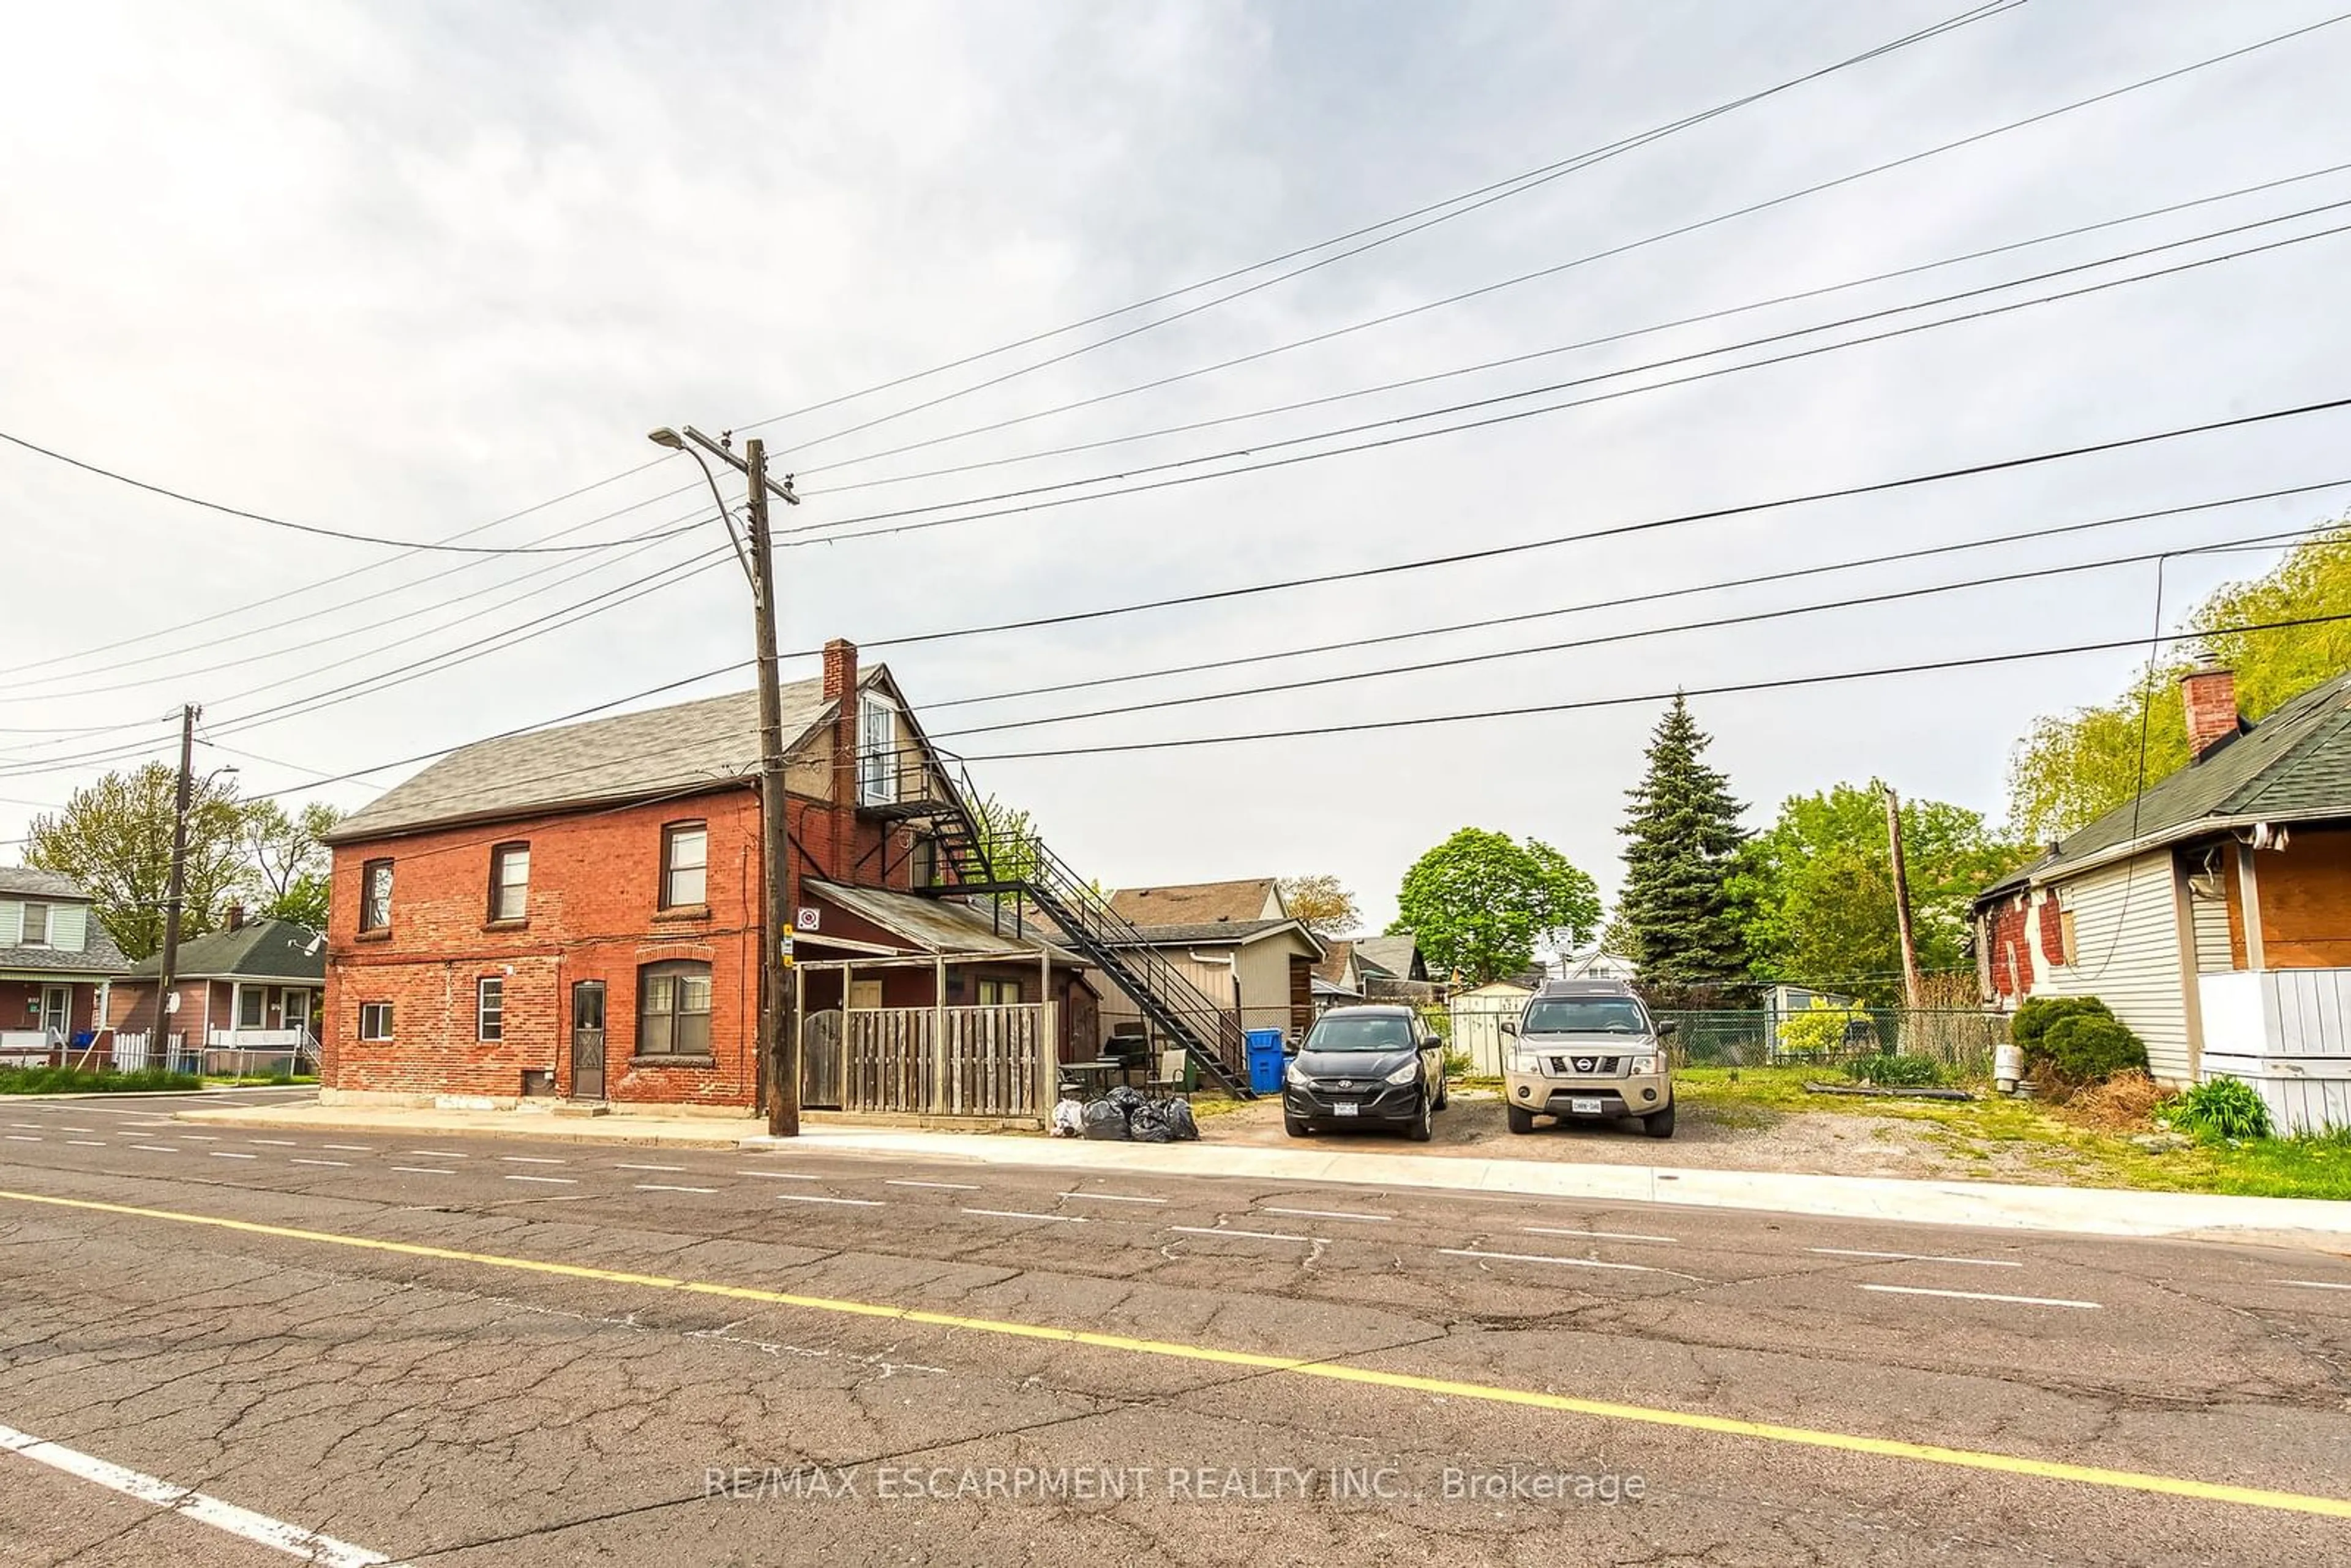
[[1581, 704], [1605, 340], [314, 529], [1418, 219], [806, 470], [1619, 601], [1495, 400], [1745, 618], [1492, 552]]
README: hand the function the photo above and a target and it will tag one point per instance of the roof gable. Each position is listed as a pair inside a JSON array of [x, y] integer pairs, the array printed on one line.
[[2293, 765], [24, 881]]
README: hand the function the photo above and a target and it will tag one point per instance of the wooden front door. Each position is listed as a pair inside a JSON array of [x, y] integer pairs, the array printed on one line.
[[588, 1039]]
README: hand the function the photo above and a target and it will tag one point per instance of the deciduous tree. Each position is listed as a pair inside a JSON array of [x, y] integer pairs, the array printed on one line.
[[288, 861], [1480, 903], [1319, 903], [114, 837]]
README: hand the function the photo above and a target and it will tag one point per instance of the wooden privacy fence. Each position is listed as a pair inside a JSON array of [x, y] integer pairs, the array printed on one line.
[[996, 1062]]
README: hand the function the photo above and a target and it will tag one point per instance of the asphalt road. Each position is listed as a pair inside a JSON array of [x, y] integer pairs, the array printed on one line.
[[490, 1351]]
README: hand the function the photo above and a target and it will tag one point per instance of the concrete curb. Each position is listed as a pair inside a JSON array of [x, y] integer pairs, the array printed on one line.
[[2090, 1211], [2094, 1211]]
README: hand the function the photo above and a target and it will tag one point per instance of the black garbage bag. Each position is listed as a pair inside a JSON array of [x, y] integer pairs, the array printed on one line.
[[1127, 1098], [1148, 1125], [1106, 1120], [1181, 1122]]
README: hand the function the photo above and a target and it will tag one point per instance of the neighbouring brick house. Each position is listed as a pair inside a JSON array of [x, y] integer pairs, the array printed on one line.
[[576, 911], [55, 961], [2213, 914], [255, 985]]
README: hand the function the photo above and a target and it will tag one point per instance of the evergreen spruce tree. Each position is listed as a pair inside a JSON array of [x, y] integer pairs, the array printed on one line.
[[1683, 843]]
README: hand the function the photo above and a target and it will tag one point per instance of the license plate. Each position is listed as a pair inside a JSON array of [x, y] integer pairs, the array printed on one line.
[[1344, 1108], [1585, 1107]]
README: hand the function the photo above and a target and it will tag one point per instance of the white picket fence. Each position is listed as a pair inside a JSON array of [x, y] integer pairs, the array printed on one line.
[[135, 1053]]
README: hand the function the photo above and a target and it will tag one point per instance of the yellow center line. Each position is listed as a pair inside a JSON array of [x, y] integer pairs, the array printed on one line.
[[1607, 1410]]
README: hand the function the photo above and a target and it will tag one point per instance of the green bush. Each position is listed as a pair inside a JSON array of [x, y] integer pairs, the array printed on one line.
[[2090, 1048], [1457, 1062], [2034, 1019], [1818, 1031], [2223, 1108], [1890, 1070], [65, 1080]]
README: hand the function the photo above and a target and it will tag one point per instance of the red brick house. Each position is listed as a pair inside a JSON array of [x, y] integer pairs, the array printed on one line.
[[576, 912]]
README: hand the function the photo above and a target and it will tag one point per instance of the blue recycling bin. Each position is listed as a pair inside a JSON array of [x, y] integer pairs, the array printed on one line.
[[1265, 1059]]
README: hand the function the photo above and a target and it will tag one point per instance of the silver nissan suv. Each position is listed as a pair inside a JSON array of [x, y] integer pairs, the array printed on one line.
[[1585, 1050]]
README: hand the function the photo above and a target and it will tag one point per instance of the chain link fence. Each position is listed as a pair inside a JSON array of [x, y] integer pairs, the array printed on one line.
[[1959, 1040]]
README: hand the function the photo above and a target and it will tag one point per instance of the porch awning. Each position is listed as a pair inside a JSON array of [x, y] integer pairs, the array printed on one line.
[[942, 925]]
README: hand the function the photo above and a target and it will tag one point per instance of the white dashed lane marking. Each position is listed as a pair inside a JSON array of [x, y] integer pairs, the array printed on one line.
[[816, 1198], [1251, 1235], [23, 1138], [670, 1169], [1024, 1214], [657, 1186], [941, 1185], [226, 1155], [552, 1181], [191, 1504], [2314, 1284], [531, 1160], [273, 1142], [1980, 1296], [156, 1148], [349, 1148], [1113, 1197], [1324, 1213], [424, 1170], [1599, 1235], [339, 1165], [779, 1175], [87, 1142], [1917, 1258], [63, 1128], [438, 1154], [1545, 1257]]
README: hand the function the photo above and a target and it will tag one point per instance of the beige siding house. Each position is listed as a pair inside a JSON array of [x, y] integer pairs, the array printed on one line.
[[1234, 941]]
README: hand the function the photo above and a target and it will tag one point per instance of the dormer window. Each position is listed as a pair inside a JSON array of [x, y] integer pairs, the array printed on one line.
[[36, 925]]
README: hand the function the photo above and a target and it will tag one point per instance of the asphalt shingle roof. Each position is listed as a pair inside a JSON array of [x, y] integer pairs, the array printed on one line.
[[1193, 903], [715, 740], [261, 950], [2293, 765], [1208, 931], [24, 881], [1390, 954]]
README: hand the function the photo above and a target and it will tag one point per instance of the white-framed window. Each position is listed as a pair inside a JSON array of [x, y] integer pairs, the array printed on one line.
[[674, 1009], [510, 882], [36, 927], [490, 1008], [877, 753], [375, 895], [686, 865], [252, 1004], [375, 1020]]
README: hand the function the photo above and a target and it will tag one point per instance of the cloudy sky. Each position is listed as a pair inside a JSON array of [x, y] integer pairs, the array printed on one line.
[[409, 271]]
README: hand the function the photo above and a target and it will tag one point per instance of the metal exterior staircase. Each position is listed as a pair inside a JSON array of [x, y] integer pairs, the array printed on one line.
[[1208, 1031]]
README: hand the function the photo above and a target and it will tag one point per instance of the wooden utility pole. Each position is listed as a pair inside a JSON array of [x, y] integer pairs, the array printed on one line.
[[780, 1055], [176, 891], [777, 1071], [1913, 984]]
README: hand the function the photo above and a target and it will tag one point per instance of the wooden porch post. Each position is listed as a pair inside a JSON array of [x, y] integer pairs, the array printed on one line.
[[2250, 896], [2183, 921]]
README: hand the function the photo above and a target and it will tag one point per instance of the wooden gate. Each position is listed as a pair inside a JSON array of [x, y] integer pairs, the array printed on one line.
[[996, 1062], [820, 1061]]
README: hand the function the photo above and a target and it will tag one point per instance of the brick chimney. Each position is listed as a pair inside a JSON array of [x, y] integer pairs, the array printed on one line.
[[2210, 695], [840, 687], [236, 917]]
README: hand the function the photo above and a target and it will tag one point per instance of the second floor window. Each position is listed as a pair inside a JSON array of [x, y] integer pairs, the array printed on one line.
[[36, 925], [877, 753], [510, 882], [686, 865], [375, 897]]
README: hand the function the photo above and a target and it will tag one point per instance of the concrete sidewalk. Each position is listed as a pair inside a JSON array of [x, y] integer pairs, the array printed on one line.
[[2095, 1211]]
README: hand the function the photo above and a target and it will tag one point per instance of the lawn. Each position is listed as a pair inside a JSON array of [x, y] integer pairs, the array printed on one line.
[[2066, 1151], [65, 1080]]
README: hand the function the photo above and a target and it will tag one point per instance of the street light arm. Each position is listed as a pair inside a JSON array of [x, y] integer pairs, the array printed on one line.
[[734, 536]]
